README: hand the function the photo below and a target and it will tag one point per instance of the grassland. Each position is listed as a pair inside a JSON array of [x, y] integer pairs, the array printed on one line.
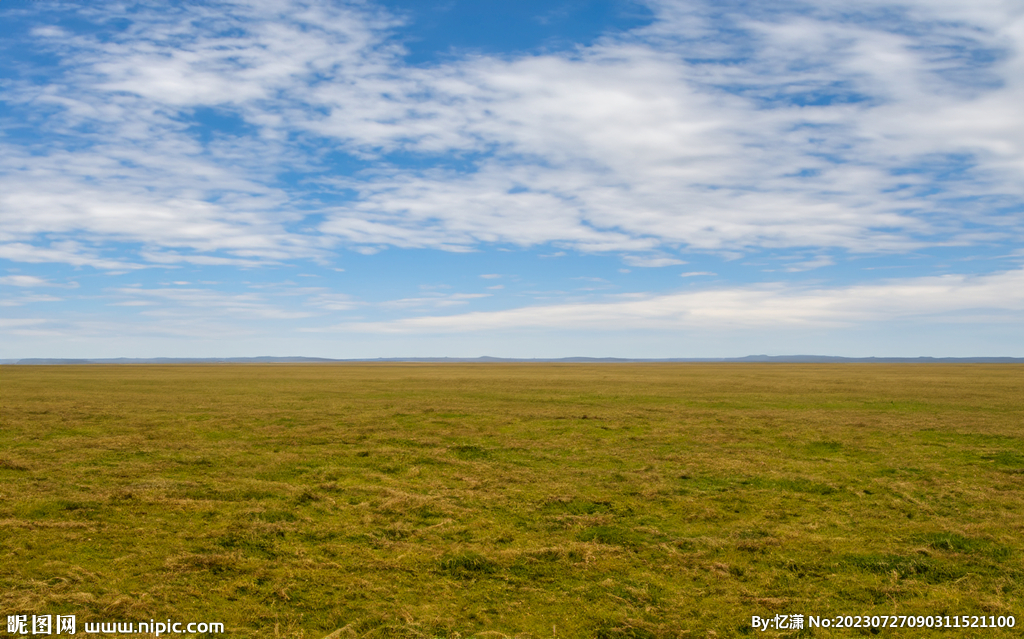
[[608, 501]]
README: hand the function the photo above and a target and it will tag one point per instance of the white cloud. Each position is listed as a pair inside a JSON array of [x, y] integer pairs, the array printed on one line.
[[437, 300], [651, 261], [28, 299], [165, 257], [809, 265], [334, 301], [951, 298], [24, 280], [134, 303], [185, 302], [626, 145], [136, 173], [16, 323], [68, 252]]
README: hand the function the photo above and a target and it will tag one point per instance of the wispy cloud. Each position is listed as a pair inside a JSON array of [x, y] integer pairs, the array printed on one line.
[[651, 261], [28, 299], [24, 281], [66, 252], [810, 129], [993, 298], [809, 265], [19, 323], [436, 300], [334, 301], [171, 301]]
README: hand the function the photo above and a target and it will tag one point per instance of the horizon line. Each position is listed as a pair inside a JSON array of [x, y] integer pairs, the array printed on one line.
[[790, 359]]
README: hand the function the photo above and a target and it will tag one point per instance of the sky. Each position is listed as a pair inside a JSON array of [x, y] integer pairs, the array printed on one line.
[[534, 179]]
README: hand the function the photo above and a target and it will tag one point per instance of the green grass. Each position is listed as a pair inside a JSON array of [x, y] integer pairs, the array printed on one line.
[[609, 501]]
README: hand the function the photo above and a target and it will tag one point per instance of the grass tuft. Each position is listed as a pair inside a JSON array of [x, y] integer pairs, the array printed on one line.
[[467, 564]]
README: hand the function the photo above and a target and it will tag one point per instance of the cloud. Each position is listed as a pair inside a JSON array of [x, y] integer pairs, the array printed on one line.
[[164, 257], [186, 301], [20, 323], [758, 127], [28, 299], [24, 280], [436, 300], [334, 301], [67, 252], [990, 298], [120, 160], [651, 261], [809, 265], [627, 145]]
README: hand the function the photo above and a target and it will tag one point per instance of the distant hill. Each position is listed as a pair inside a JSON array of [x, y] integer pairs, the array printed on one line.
[[779, 359], [170, 360]]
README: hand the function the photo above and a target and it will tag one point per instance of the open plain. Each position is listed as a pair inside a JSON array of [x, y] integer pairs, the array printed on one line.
[[506, 500]]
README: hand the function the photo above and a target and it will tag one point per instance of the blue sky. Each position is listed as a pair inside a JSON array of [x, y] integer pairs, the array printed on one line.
[[658, 178]]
